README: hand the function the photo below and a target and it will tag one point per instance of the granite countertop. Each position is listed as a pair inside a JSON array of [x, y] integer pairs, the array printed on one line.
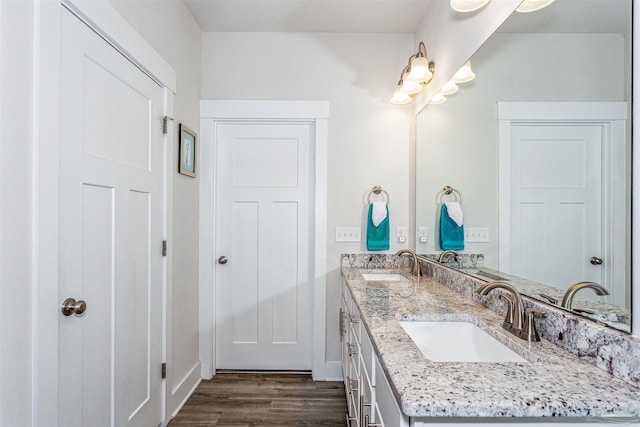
[[601, 311], [552, 383]]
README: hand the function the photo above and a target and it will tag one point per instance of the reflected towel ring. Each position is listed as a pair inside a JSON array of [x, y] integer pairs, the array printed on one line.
[[377, 190], [447, 191]]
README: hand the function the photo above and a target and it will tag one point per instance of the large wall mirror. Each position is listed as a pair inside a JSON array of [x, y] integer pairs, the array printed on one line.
[[539, 147]]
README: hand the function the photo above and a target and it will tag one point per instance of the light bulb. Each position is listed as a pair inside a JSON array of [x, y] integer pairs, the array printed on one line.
[[467, 5], [438, 98], [464, 74], [410, 87], [533, 5], [400, 98], [420, 70], [449, 88]]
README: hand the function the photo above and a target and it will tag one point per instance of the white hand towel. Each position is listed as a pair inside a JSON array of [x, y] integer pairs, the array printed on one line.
[[378, 213], [455, 212]]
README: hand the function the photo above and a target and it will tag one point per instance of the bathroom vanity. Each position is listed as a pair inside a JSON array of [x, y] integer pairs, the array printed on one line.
[[390, 382]]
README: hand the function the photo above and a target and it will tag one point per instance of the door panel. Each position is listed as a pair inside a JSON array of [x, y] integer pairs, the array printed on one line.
[[110, 235], [556, 203], [264, 299]]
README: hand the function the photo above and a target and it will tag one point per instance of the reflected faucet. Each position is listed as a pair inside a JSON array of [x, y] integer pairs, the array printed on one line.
[[567, 299], [448, 252], [514, 321], [415, 267]]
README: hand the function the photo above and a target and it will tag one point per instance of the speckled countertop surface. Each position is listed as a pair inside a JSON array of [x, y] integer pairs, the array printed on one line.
[[552, 383]]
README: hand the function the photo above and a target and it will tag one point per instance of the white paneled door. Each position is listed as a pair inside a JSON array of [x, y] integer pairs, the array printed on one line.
[[556, 202], [264, 219], [111, 212]]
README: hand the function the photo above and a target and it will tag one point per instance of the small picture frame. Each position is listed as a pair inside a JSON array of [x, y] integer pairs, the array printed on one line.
[[188, 154]]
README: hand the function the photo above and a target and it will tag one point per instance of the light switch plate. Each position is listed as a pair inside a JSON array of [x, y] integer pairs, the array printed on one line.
[[476, 235], [401, 234], [348, 234]]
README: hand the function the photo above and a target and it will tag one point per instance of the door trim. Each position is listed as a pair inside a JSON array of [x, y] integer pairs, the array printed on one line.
[[111, 26], [611, 116], [213, 113]]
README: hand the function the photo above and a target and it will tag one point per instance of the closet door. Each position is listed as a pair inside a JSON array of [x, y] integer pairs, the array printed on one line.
[[110, 351]]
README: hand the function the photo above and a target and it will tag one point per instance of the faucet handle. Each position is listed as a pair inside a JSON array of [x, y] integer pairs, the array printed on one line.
[[530, 331], [508, 318]]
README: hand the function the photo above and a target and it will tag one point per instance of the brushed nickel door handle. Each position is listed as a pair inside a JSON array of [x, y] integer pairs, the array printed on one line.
[[595, 260], [222, 260], [70, 307]]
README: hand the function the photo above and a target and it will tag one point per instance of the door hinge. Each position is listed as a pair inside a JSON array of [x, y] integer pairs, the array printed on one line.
[[164, 248], [164, 370], [165, 124]]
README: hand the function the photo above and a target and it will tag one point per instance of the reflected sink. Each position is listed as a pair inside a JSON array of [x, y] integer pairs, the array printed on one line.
[[387, 277], [458, 342], [486, 274]]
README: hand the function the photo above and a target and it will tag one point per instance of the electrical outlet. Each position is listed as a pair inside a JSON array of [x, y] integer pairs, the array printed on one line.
[[476, 235], [348, 234], [423, 234]]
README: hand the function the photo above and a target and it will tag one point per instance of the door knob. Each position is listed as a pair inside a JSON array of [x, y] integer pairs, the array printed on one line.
[[222, 260], [595, 260], [71, 306]]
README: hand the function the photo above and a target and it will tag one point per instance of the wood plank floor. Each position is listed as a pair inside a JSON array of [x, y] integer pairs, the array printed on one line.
[[243, 399]]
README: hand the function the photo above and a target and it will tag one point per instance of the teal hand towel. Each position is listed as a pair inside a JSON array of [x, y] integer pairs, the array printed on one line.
[[377, 236], [451, 235]]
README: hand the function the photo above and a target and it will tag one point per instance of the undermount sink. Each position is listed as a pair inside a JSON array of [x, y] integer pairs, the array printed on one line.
[[388, 277], [458, 342]]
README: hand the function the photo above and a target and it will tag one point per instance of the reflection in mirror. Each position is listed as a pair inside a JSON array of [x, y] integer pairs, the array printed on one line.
[[550, 180]]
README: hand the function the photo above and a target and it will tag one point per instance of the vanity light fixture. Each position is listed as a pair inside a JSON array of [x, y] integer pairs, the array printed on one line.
[[400, 98], [438, 98], [467, 5], [410, 87], [533, 5], [415, 75], [449, 88], [464, 74]]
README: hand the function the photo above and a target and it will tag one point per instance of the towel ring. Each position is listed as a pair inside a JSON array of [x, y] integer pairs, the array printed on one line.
[[377, 190], [447, 191]]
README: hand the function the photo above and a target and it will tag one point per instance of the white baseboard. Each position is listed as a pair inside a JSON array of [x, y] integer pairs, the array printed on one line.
[[183, 390]]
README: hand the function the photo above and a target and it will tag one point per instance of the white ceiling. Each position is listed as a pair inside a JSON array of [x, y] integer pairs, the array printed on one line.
[[394, 16], [335, 16]]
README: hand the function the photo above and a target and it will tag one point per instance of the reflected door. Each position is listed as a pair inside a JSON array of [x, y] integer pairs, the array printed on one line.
[[556, 197], [111, 170], [264, 294]]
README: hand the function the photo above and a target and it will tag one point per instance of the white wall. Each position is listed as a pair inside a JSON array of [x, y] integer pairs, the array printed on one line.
[[16, 149], [508, 67], [170, 29], [370, 140]]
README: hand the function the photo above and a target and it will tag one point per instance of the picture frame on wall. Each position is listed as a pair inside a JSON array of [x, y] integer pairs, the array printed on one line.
[[188, 154]]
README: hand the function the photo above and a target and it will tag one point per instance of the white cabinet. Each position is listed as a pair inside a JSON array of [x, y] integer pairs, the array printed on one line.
[[350, 336], [386, 404], [370, 401]]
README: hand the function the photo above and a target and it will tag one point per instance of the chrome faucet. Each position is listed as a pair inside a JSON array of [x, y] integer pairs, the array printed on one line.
[[448, 252], [415, 266], [517, 321], [567, 299]]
